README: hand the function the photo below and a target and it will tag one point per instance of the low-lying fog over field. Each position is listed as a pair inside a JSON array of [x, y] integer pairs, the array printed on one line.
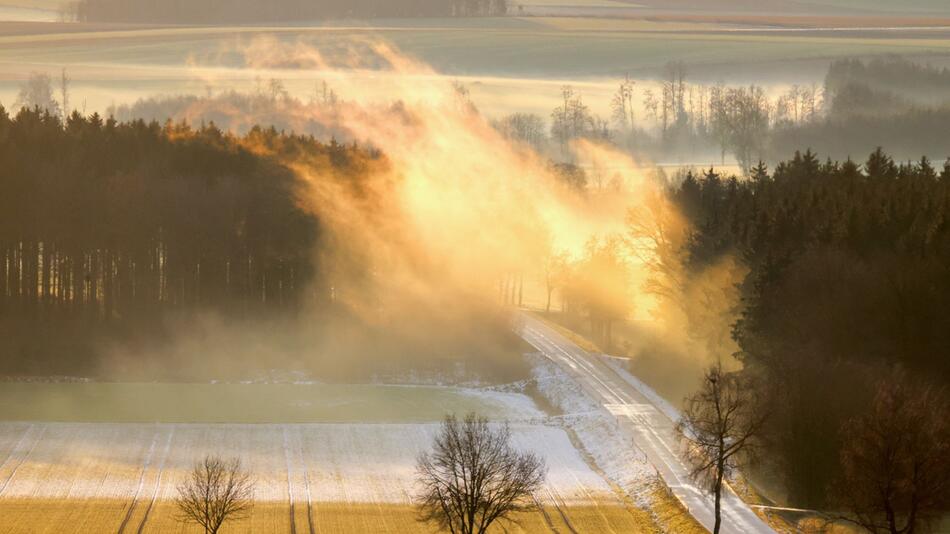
[[324, 256]]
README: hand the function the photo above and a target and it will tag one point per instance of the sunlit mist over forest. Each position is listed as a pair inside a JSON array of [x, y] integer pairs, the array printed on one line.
[[475, 266]]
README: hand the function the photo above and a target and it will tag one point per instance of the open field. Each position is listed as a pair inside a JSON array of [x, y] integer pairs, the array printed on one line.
[[13, 13], [330, 476], [250, 403], [349, 477], [53, 517], [764, 8], [509, 64], [519, 47], [329, 462]]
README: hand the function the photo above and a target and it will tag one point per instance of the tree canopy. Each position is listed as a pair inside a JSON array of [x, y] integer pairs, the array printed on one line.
[[106, 228], [848, 278]]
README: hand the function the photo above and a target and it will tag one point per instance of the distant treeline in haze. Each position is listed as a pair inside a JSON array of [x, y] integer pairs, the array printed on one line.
[[253, 11], [860, 106], [886, 101]]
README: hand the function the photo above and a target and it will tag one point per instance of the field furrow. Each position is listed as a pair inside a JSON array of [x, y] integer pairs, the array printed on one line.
[[310, 478]]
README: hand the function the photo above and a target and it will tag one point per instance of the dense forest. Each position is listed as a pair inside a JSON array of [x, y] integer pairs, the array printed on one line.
[[106, 228], [195, 253], [848, 284], [254, 12]]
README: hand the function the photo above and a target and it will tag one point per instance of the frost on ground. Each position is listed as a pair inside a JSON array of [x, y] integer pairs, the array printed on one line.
[[117, 402], [588, 457], [595, 430], [366, 463]]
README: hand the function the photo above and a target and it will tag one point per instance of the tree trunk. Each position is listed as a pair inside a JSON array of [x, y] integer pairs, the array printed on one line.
[[891, 518], [718, 499], [911, 525], [520, 290]]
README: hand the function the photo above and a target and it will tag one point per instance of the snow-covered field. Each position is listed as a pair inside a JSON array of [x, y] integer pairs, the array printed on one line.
[[327, 462], [597, 433], [125, 474]]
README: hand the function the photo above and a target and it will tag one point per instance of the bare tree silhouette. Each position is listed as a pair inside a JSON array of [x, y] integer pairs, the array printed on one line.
[[217, 491], [719, 424], [473, 477]]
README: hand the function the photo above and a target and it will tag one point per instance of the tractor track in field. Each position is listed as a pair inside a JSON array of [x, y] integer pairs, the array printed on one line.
[[290, 480], [138, 490], [23, 456], [158, 481]]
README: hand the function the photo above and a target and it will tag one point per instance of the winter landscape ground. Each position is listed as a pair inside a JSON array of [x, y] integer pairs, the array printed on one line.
[[311, 477], [304, 242]]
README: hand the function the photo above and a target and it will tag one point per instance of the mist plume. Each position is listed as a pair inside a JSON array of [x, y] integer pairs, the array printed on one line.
[[417, 240]]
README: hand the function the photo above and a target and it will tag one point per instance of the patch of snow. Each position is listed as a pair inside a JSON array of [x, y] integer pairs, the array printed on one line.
[[459, 375], [517, 406], [328, 462], [54, 379], [613, 453]]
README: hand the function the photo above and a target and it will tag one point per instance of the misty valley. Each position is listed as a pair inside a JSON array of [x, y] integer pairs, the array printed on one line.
[[475, 266]]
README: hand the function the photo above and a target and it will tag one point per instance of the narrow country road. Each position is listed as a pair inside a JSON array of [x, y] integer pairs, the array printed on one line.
[[649, 422]]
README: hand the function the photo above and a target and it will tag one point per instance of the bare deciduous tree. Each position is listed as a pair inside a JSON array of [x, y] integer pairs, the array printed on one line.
[[64, 82], [473, 477], [719, 425], [525, 127], [572, 120], [604, 279], [895, 460], [37, 92], [622, 105], [557, 267], [217, 491]]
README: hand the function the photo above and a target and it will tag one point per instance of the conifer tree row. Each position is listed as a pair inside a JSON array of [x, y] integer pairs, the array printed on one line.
[[108, 227], [848, 281]]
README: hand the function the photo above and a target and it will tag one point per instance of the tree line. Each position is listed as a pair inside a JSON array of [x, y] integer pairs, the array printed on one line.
[[903, 79], [855, 110], [841, 332], [108, 227], [251, 11], [858, 107], [677, 117], [843, 303]]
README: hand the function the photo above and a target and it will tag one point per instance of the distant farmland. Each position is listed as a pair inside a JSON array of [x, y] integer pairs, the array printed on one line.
[[510, 63]]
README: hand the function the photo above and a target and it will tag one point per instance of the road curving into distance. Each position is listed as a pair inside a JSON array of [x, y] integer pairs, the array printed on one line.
[[647, 419]]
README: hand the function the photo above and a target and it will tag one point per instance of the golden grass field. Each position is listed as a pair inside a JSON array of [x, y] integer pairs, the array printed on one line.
[[23, 515]]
